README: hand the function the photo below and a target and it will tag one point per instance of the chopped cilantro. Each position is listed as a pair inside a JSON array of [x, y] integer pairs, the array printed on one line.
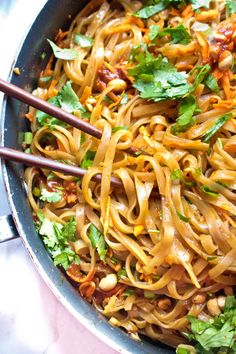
[[65, 54], [28, 137], [56, 237], [125, 99], [83, 41], [209, 191], [178, 34], [129, 292], [219, 124], [182, 350], [176, 174], [88, 159], [187, 107], [211, 83], [149, 295], [199, 74], [67, 100], [182, 217], [154, 31], [152, 7], [231, 6], [216, 335], [50, 197], [211, 258], [45, 79], [98, 242], [197, 4], [156, 79], [122, 273]]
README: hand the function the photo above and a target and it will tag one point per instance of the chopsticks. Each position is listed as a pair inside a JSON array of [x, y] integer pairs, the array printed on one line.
[[42, 162], [36, 102]]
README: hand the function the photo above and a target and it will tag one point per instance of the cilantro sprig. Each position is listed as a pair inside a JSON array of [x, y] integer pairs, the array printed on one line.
[[178, 34], [156, 79], [218, 334], [64, 53], [98, 242], [50, 197], [67, 100], [153, 7], [56, 238], [215, 128], [185, 120]]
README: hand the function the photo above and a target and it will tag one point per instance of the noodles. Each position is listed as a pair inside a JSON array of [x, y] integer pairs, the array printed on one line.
[[163, 83]]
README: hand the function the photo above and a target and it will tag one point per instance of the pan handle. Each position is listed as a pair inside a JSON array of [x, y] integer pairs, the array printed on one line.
[[7, 229]]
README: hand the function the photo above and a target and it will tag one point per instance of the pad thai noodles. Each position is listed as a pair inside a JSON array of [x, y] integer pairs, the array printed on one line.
[[156, 256]]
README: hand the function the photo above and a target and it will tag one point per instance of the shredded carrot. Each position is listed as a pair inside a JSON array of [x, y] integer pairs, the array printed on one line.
[[225, 82], [51, 90], [188, 12], [118, 29], [217, 73], [60, 36], [86, 94], [174, 12], [204, 46], [206, 15], [114, 104], [136, 21], [48, 71], [225, 104], [29, 116]]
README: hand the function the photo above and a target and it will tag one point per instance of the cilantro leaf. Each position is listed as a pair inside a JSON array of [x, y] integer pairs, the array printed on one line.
[[67, 100], [83, 41], [199, 74], [98, 242], [65, 54], [187, 107], [155, 6], [45, 119], [122, 273], [219, 124], [197, 4], [56, 238], [231, 6], [151, 10], [217, 334], [178, 34], [88, 159], [50, 197], [156, 79], [154, 31], [209, 191], [212, 83]]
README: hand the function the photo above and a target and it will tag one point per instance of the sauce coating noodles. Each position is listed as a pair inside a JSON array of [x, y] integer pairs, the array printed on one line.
[[163, 246]]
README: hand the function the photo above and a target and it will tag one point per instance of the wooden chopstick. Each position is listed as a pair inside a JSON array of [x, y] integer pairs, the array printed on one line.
[[42, 162], [36, 102], [44, 106]]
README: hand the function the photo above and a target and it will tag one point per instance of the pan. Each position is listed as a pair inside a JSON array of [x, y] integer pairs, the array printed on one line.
[[31, 60]]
